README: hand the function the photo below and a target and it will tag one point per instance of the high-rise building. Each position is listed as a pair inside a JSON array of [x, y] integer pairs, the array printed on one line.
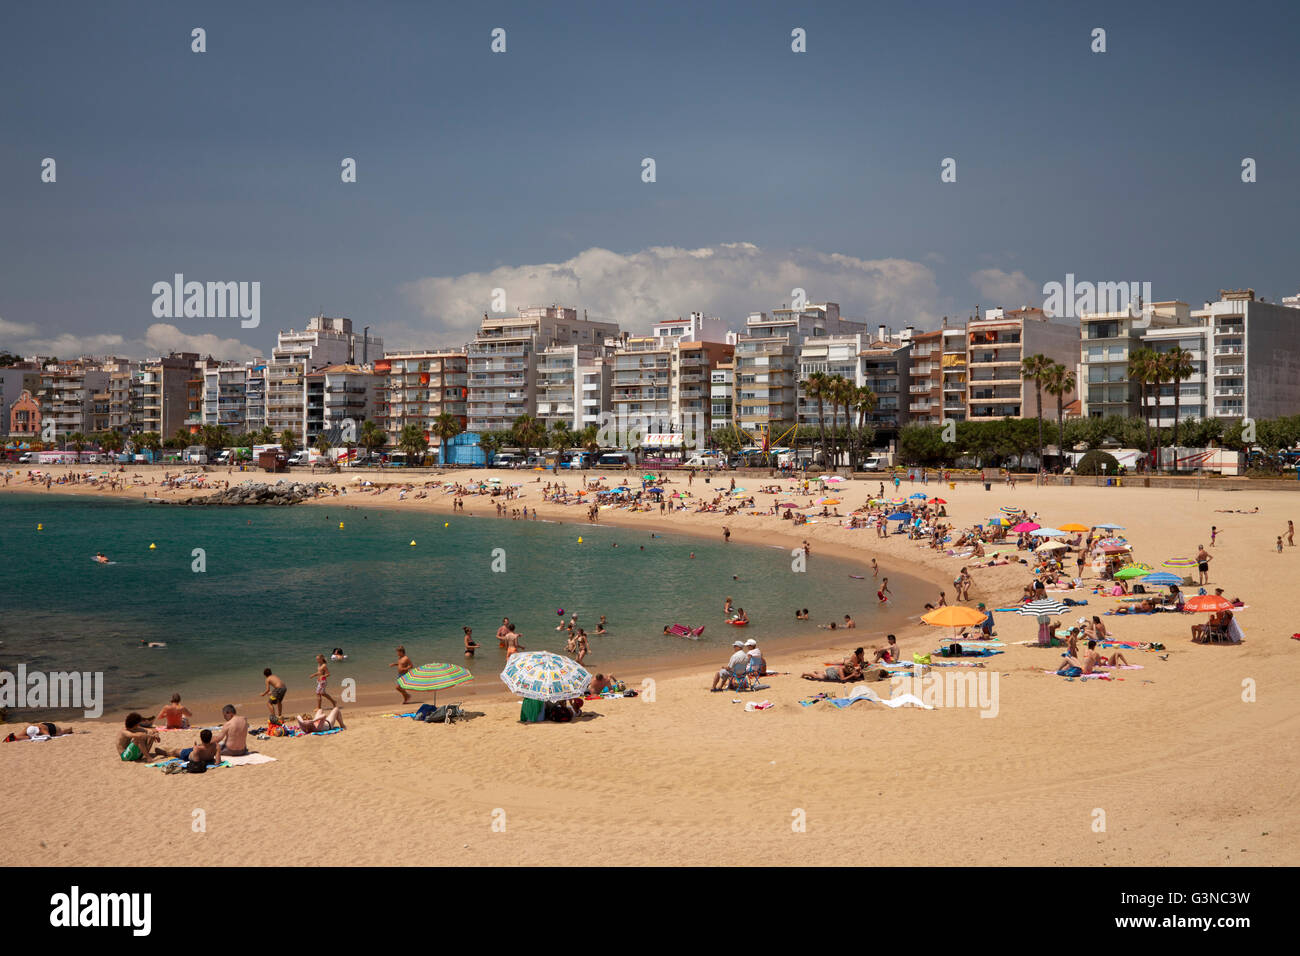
[[953, 361], [573, 383], [338, 399], [421, 385], [996, 342], [325, 341], [925, 405], [67, 395], [1255, 358], [502, 360], [1107, 340]]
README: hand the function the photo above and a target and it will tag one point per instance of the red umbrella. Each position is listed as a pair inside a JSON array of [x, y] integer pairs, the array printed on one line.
[[1208, 603], [937, 501]]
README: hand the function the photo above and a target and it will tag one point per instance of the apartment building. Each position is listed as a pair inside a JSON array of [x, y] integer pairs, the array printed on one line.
[[421, 385], [14, 381], [996, 343], [1107, 340], [885, 368], [339, 396], [812, 321], [326, 341], [953, 372], [67, 395], [925, 404], [1253, 349], [722, 387], [766, 399], [165, 393], [573, 385], [830, 355], [502, 360]]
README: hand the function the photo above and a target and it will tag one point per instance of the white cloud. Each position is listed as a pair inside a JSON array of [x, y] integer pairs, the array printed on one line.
[[1010, 290], [635, 290], [159, 339]]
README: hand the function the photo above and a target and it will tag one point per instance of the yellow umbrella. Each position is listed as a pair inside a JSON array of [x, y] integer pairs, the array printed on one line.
[[1073, 526], [953, 615]]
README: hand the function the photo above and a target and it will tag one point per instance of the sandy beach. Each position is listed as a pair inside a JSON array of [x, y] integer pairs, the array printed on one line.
[[1187, 761]]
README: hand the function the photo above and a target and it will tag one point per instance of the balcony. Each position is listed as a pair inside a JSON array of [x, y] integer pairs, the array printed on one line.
[[1232, 391], [924, 369], [1225, 370], [1229, 350], [1229, 330]]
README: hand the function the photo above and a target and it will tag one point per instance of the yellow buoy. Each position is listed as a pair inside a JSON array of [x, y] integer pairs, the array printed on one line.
[[40, 527], [413, 543], [340, 525], [152, 546], [579, 539], [446, 524]]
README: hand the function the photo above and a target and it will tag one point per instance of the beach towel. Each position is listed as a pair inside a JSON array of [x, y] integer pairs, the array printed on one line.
[[759, 705], [907, 700], [247, 760], [531, 711], [855, 694]]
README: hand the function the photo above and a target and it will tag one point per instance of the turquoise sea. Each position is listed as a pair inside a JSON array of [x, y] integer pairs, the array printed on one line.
[[283, 584]]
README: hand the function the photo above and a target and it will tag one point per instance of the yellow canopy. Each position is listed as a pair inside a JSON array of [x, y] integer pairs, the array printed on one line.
[[1073, 526], [953, 616]]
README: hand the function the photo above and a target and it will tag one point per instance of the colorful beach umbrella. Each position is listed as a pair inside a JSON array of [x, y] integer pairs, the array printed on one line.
[[434, 677], [1132, 571], [1047, 533], [938, 501], [1010, 510], [899, 516], [828, 501], [1074, 526], [1026, 526], [1179, 564], [543, 675], [1109, 527], [787, 504], [1161, 578], [999, 520], [917, 495]]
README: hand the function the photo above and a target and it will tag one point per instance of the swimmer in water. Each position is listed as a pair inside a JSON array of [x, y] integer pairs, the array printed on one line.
[[338, 655], [101, 557], [153, 643]]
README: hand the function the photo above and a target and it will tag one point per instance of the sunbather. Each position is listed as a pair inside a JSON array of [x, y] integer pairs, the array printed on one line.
[[837, 674], [144, 738]]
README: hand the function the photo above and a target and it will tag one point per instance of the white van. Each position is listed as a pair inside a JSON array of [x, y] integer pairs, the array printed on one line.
[[875, 463], [705, 461]]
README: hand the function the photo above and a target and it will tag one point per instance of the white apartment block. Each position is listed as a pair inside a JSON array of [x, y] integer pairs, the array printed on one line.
[[573, 385], [1254, 356], [996, 342], [421, 386], [502, 360], [1108, 339], [324, 342]]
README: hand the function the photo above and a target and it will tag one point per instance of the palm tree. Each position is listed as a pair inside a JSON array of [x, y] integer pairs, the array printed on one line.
[[864, 403], [1034, 368], [323, 445], [817, 386], [837, 395], [78, 441], [372, 436], [110, 441], [288, 441], [446, 426], [1179, 367], [1060, 382], [561, 439], [588, 438], [413, 441], [1141, 368], [528, 433], [490, 442]]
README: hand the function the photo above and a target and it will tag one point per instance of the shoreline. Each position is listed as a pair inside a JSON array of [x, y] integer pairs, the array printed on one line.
[[642, 666]]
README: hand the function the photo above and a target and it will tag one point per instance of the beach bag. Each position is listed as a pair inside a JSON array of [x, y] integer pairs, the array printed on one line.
[[132, 752], [1139, 589], [1069, 672], [193, 767], [422, 714]]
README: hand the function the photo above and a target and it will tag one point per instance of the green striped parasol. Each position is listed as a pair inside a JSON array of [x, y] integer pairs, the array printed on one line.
[[434, 677]]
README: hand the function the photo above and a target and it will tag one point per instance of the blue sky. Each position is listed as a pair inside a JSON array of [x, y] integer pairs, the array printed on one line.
[[522, 170]]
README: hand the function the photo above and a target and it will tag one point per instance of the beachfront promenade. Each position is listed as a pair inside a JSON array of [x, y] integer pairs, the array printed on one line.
[[1189, 759]]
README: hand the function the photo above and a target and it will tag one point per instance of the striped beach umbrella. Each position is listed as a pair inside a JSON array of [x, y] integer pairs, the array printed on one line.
[[434, 677], [1162, 578], [1009, 510], [1179, 564], [543, 675], [1041, 606]]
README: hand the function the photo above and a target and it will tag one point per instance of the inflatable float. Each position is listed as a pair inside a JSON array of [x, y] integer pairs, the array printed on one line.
[[681, 630]]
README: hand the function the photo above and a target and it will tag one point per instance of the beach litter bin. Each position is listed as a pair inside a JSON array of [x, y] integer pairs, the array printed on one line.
[[987, 487]]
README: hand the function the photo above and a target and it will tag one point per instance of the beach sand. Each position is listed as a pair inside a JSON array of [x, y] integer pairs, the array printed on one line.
[[1171, 764]]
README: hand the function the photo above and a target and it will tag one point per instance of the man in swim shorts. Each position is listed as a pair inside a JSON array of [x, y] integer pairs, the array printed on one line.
[[232, 739]]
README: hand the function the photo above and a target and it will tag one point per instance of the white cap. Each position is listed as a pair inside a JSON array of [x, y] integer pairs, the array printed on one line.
[[737, 643], [751, 643]]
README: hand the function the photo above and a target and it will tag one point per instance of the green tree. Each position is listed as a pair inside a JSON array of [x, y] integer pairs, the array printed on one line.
[[1179, 366], [78, 441], [372, 436], [528, 433], [446, 426], [288, 441], [816, 387], [1059, 381], [1034, 368], [413, 441], [1143, 368], [110, 441]]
